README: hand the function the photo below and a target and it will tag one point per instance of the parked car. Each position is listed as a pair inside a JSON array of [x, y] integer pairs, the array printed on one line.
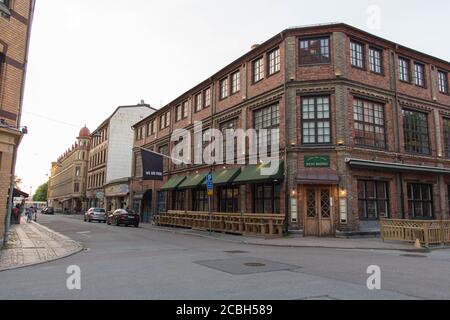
[[48, 210], [95, 214], [125, 217]]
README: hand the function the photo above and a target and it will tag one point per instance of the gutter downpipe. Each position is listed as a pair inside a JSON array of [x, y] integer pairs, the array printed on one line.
[[286, 172], [400, 175]]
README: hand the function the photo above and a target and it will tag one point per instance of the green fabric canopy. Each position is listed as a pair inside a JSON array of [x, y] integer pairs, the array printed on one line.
[[253, 173], [173, 183], [225, 176], [192, 181]]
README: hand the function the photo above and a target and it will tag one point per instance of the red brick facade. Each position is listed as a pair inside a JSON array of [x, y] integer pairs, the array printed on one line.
[[342, 84]]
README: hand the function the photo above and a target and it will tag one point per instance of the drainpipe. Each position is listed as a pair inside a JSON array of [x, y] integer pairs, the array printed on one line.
[[286, 143], [396, 116], [402, 203]]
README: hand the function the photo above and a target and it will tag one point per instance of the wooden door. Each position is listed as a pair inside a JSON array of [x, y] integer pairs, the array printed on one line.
[[318, 211]]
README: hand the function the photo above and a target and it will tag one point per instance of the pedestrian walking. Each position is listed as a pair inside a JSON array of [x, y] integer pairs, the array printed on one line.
[[16, 214], [29, 213], [35, 213]]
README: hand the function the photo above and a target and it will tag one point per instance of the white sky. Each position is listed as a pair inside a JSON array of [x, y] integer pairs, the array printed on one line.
[[88, 57]]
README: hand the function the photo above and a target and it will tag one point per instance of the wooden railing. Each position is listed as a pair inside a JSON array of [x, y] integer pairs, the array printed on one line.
[[255, 224], [428, 232]]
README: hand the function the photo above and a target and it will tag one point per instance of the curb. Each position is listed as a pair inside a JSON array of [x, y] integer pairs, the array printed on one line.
[[250, 242], [80, 248]]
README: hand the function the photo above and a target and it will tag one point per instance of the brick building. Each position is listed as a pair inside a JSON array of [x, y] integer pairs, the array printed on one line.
[[364, 133], [15, 26], [67, 182], [110, 159]]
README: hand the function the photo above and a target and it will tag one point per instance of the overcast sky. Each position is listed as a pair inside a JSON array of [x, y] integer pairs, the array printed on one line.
[[89, 56]]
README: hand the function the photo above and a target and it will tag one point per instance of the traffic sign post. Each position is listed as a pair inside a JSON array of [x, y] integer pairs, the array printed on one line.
[[210, 188]]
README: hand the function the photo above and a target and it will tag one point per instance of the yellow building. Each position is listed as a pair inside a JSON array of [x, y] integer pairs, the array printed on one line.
[[67, 183]]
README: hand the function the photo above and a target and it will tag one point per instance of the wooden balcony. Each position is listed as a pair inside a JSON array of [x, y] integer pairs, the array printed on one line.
[[267, 225]]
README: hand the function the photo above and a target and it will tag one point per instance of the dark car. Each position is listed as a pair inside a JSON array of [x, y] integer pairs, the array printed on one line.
[[48, 210], [124, 217]]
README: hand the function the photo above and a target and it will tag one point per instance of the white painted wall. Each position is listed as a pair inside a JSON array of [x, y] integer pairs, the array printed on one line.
[[121, 139]]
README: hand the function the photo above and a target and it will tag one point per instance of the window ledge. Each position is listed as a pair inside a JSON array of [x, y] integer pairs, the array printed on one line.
[[4, 10]]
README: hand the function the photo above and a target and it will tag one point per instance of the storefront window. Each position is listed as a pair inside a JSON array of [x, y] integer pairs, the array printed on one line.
[[420, 200], [373, 199], [179, 200], [200, 200], [267, 198], [229, 199], [162, 200]]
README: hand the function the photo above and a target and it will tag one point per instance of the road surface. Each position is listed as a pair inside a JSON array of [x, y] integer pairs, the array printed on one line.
[[130, 263]]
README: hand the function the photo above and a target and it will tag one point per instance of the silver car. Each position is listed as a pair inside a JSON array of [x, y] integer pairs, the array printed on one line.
[[95, 214]]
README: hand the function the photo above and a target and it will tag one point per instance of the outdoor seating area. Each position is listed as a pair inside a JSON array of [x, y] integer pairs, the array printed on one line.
[[428, 232], [268, 225]]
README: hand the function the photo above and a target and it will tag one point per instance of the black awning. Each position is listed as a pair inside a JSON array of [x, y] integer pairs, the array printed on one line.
[[392, 166], [19, 193]]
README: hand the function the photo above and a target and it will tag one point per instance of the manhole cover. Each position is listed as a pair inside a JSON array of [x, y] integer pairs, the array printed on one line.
[[235, 251], [413, 255], [246, 265], [254, 264]]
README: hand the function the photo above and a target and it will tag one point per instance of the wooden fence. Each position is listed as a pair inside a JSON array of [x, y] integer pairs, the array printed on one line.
[[429, 232], [254, 224]]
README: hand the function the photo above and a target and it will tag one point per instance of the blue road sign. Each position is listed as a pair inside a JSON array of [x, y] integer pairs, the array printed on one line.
[[209, 182]]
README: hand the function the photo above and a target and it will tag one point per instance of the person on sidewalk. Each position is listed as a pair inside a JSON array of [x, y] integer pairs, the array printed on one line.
[[16, 214], [29, 213]]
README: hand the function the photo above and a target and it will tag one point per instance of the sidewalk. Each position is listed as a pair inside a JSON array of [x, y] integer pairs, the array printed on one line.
[[32, 243], [296, 241]]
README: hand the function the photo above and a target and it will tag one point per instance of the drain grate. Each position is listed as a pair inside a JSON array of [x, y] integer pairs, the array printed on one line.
[[413, 256], [254, 264], [235, 251], [246, 265]]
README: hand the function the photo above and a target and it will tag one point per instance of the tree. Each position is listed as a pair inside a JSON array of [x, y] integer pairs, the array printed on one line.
[[41, 193], [17, 182]]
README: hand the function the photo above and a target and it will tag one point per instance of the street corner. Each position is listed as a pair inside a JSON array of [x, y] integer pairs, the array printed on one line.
[[31, 243]]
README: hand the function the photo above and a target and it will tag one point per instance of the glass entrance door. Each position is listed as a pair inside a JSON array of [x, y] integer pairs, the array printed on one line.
[[318, 211]]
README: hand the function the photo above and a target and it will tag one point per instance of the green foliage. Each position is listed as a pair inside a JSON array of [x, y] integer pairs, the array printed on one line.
[[41, 193]]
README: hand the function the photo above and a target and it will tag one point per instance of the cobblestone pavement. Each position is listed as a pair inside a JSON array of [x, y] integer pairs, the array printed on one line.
[[32, 243]]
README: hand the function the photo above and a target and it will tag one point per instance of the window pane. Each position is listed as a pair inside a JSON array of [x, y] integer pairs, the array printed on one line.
[[314, 51], [369, 123], [416, 132], [373, 199], [357, 54], [316, 127], [375, 60], [404, 70], [443, 82], [420, 200]]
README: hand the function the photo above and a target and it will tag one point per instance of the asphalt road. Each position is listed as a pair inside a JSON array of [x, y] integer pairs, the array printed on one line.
[[130, 263]]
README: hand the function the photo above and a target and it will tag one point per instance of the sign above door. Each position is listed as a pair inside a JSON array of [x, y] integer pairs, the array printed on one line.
[[317, 162]]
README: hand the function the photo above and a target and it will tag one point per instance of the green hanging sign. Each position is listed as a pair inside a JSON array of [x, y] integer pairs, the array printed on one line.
[[317, 162]]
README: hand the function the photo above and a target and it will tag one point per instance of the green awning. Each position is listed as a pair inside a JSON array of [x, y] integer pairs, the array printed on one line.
[[192, 181], [253, 173], [173, 183], [225, 176]]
